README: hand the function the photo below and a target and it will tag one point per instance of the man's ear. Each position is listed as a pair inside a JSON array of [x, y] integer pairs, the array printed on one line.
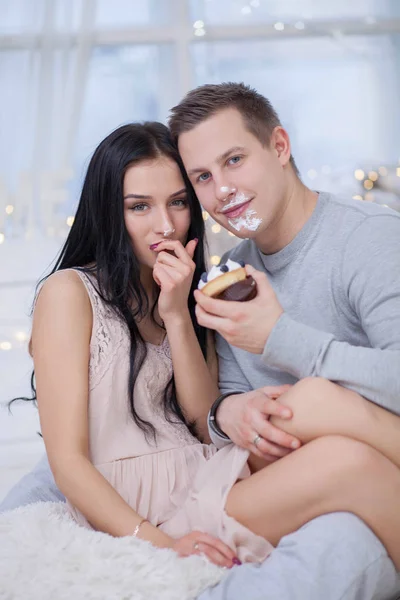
[[280, 142]]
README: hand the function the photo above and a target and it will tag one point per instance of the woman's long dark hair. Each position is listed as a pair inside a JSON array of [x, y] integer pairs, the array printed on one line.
[[99, 237]]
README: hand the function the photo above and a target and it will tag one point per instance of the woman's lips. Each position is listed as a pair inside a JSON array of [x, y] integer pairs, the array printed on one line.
[[154, 246], [236, 211]]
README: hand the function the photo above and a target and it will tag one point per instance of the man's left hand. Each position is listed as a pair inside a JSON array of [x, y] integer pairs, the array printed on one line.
[[246, 325]]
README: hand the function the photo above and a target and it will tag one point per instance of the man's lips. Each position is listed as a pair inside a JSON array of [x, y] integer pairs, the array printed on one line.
[[236, 211]]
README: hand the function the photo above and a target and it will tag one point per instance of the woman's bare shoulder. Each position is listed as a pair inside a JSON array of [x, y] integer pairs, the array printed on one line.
[[64, 291]]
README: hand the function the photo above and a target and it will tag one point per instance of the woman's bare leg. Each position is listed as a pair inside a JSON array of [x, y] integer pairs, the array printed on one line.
[[330, 474], [321, 408]]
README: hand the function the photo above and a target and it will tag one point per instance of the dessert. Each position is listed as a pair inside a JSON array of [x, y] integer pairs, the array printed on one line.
[[228, 281]]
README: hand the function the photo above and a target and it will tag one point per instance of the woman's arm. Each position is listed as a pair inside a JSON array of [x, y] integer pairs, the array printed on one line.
[[196, 380], [62, 326]]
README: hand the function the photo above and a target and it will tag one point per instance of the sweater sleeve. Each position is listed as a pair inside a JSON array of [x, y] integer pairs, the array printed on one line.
[[231, 378], [371, 284]]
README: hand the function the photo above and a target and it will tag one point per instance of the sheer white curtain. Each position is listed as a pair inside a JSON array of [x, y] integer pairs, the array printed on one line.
[[68, 80], [44, 79]]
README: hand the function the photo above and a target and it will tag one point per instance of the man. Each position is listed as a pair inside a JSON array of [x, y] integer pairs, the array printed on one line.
[[328, 304], [238, 158]]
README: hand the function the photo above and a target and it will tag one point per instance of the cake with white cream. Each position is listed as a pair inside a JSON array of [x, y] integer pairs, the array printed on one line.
[[228, 281]]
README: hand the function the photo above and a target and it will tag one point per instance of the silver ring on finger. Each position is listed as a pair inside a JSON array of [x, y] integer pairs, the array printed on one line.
[[196, 546], [257, 440]]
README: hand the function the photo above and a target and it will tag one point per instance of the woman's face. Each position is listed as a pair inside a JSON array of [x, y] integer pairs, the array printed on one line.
[[155, 206]]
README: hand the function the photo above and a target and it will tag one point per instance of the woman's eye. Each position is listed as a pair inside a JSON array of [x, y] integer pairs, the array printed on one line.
[[179, 202], [203, 177], [234, 160], [139, 207]]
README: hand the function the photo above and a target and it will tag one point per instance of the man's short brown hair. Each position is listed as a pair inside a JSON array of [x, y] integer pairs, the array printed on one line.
[[258, 114]]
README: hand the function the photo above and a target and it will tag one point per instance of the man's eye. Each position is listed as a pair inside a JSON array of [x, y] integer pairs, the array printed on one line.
[[203, 177], [139, 207], [234, 160]]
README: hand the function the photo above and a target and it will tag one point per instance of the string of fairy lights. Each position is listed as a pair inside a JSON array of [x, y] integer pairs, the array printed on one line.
[[370, 181]]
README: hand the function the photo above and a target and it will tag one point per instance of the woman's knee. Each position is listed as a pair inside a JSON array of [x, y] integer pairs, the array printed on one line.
[[309, 391], [308, 400], [307, 394]]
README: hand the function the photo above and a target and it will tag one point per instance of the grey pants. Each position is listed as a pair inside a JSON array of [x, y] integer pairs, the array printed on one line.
[[334, 557]]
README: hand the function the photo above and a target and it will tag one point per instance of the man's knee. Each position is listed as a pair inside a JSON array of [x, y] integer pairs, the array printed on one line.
[[335, 557], [344, 556], [332, 529]]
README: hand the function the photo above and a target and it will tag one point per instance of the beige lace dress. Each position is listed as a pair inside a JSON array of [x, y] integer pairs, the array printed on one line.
[[177, 483]]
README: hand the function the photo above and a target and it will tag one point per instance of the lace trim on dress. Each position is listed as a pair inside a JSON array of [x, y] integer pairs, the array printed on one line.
[[162, 349], [155, 374], [108, 333]]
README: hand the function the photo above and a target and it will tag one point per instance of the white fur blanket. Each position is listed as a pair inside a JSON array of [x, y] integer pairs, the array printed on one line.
[[44, 555]]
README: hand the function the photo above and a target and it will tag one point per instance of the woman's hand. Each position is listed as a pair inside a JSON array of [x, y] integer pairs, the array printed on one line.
[[200, 543], [173, 272]]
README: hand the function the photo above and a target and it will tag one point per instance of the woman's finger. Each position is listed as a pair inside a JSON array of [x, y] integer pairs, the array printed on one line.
[[217, 544], [214, 555], [172, 261], [161, 276], [191, 247], [173, 274], [176, 247]]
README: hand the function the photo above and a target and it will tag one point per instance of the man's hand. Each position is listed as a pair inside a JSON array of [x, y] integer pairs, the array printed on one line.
[[244, 417], [246, 325]]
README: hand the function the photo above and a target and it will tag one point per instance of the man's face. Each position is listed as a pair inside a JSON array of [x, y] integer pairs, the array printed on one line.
[[239, 182]]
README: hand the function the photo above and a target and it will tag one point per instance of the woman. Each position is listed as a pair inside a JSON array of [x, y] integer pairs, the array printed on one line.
[[125, 378]]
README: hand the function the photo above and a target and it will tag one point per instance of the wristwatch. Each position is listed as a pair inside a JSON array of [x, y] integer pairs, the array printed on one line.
[[212, 418]]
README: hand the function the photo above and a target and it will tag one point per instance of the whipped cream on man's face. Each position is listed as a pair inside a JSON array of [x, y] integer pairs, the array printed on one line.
[[248, 220], [216, 271], [239, 198]]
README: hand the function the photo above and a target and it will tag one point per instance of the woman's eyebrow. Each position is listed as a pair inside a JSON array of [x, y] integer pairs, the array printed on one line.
[[142, 197], [137, 197], [183, 190]]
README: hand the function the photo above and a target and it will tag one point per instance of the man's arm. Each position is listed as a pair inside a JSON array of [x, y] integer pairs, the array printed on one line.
[[231, 379], [371, 285], [231, 376], [249, 411]]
